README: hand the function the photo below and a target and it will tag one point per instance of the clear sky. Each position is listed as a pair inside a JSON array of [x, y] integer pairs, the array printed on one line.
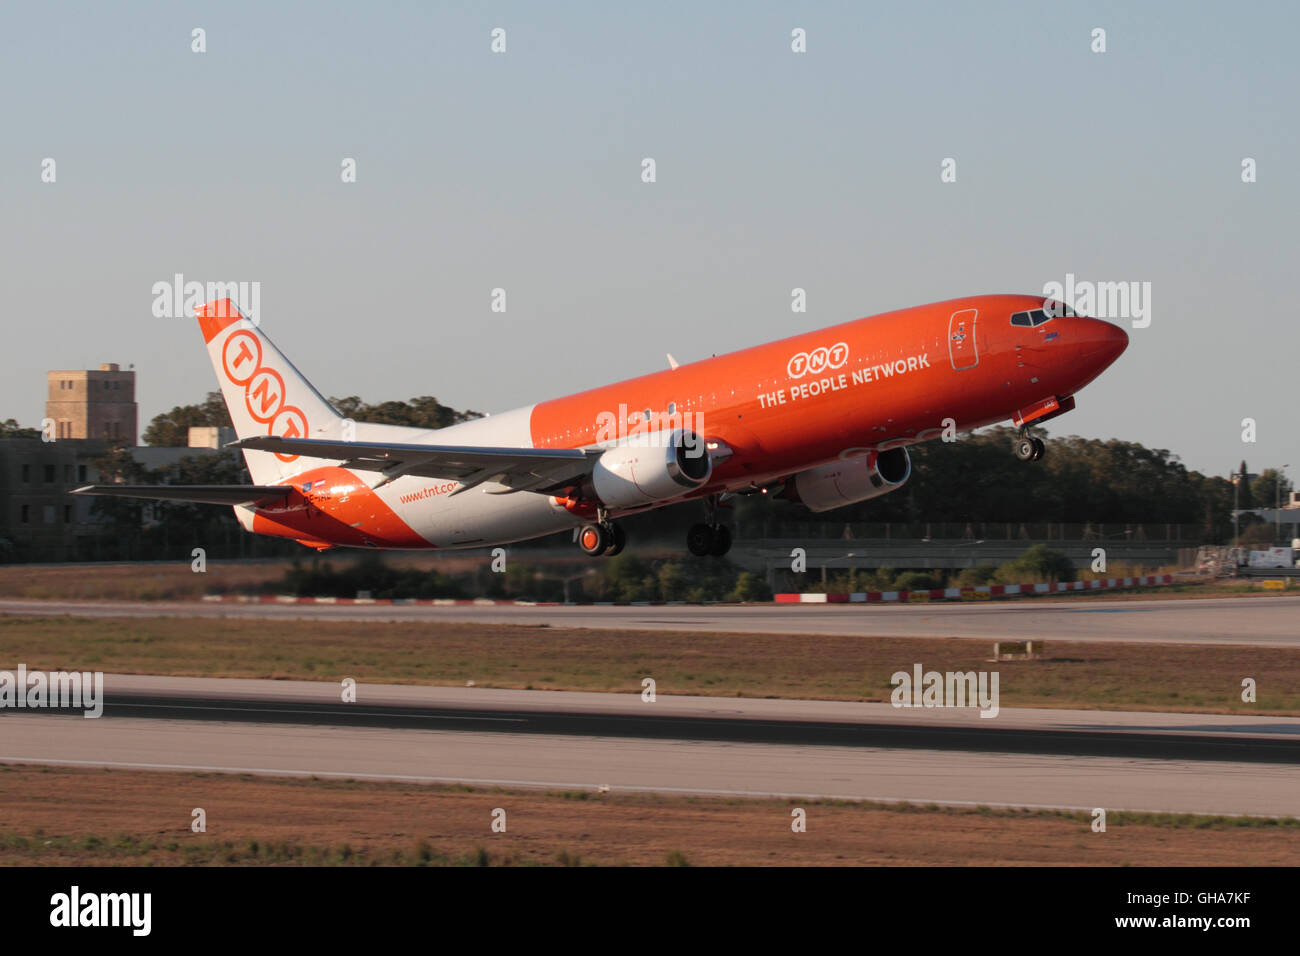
[[522, 170]]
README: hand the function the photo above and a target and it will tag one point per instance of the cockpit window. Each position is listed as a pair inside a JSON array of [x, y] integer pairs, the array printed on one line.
[[1035, 317], [1031, 318]]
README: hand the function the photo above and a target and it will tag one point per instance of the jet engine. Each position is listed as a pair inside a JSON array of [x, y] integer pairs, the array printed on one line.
[[654, 467], [850, 480]]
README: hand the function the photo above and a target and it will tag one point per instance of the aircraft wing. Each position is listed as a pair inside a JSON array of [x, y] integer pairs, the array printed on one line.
[[197, 494], [519, 469]]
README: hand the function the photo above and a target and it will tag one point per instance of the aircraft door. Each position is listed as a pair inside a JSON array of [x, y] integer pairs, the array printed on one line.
[[962, 351]]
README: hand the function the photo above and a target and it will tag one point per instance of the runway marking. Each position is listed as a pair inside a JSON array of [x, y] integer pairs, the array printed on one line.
[[324, 713], [534, 784], [1102, 610]]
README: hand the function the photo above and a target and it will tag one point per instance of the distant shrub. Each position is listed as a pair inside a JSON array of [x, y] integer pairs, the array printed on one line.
[[750, 587], [977, 576], [916, 581], [1040, 564], [369, 574]]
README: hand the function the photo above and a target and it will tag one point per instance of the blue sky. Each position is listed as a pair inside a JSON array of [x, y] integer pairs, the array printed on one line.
[[522, 170]]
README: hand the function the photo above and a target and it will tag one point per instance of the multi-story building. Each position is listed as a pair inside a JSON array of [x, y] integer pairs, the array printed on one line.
[[93, 403]]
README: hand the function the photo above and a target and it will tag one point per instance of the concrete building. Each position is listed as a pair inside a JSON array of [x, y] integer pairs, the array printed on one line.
[[210, 436], [39, 520], [90, 403], [94, 411]]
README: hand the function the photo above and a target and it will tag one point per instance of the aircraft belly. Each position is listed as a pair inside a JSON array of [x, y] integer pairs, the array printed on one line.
[[475, 518]]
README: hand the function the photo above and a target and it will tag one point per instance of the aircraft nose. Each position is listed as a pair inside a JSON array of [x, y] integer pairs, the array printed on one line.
[[1104, 341]]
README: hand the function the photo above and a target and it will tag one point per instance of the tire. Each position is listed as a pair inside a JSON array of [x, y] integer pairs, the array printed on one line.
[[721, 541], [617, 541], [1025, 449], [1039, 450], [699, 540], [593, 539]]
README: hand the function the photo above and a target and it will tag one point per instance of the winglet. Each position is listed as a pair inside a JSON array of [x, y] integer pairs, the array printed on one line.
[[216, 316]]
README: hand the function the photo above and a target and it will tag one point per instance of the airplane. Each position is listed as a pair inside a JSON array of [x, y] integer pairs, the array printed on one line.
[[823, 418]]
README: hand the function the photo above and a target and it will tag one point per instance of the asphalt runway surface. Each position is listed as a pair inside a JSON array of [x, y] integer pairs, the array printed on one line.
[[1260, 622], [810, 749]]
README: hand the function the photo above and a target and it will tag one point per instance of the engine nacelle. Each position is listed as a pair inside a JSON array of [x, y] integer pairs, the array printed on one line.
[[649, 468], [851, 480]]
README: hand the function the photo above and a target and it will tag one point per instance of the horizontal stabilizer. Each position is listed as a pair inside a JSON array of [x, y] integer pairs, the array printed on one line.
[[198, 494]]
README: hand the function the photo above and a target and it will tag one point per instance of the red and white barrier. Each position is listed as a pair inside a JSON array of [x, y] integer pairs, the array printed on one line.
[[983, 593]]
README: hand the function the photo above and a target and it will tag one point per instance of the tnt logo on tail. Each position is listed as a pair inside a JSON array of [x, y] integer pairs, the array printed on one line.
[[241, 360], [264, 393]]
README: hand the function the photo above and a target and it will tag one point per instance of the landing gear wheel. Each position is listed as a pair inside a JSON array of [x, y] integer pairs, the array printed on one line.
[[699, 540], [1025, 448], [617, 540], [594, 539], [1039, 449], [721, 541]]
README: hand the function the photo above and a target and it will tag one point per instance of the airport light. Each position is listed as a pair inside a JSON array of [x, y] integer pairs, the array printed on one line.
[[1237, 477], [1277, 503], [541, 576]]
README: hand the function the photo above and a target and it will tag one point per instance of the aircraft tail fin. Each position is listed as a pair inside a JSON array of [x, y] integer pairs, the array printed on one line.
[[264, 393]]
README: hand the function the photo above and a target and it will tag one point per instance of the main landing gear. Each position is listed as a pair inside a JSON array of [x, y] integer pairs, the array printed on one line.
[[1029, 448], [602, 539], [710, 537]]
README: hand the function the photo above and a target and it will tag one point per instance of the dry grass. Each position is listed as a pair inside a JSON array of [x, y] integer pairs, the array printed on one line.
[[79, 817], [1205, 678], [177, 581]]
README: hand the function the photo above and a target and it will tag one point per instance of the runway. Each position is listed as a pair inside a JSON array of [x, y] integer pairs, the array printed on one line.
[[808, 749], [1259, 622]]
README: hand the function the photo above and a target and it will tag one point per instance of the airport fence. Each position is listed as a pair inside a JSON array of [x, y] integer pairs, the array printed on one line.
[[1030, 532]]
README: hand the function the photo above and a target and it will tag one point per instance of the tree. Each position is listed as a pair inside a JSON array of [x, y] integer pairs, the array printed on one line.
[[1081, 481], [422, 412], [1265, 490], [172, 429], [1257, 533], [121, 516], [10, 428]]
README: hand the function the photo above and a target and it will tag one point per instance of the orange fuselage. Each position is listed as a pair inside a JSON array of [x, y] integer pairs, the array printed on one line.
[[776, 409]]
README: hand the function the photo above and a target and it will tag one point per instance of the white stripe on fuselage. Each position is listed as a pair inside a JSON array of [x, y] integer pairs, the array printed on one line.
[[475, 518]]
